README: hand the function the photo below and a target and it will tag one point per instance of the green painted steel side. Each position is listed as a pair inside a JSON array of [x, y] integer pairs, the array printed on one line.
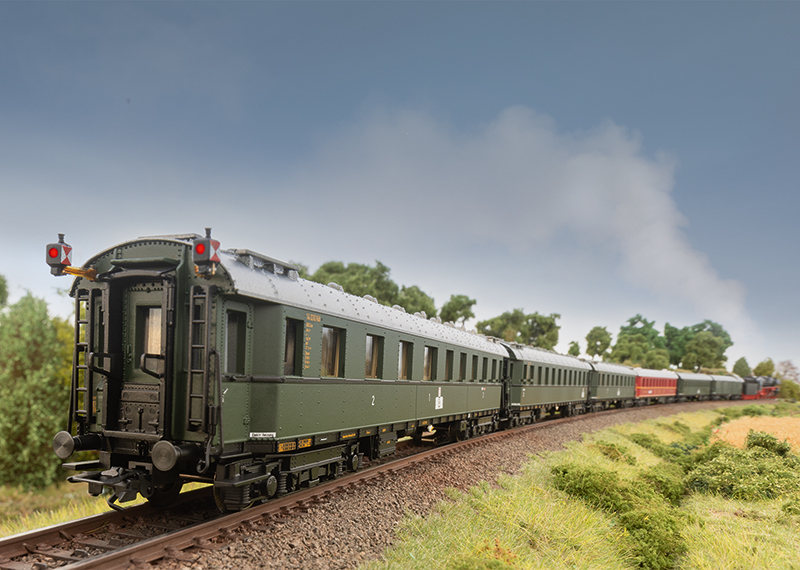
[[534, 395]]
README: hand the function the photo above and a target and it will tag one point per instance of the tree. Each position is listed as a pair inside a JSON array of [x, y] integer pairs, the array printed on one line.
[[677, 341], [516, 326], [597, 342], [657, 359], [413, 300], [790, 380], [33, 393], [574, 348], [638, 325], [786, 370], [703, 351], [764, 368], [640, 344], [458, 309], [720, 333], [3, 291], [741, 368], [358, 279], [630, 349]]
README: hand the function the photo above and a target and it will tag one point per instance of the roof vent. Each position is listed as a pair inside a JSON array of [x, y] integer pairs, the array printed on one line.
[[336, 286]]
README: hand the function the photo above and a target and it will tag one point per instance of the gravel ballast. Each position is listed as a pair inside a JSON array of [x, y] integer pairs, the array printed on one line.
[[356, 526]]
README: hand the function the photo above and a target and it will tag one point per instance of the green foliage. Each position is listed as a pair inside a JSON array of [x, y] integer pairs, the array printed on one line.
[[704, 350], [666, 479], [516, 326], [414, 300], [756, 439], [764, 368], [3, 291], [741, 367], [639, 344], [458, 309], [615, 452], [574, 348], [33, 392], [734, 413], [654, 526], [597, 342], [789, 390], [749, 474], [358, 279], [692, 347]]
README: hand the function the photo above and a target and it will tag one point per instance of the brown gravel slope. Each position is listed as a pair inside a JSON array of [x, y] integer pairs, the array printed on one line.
[[357, 526]]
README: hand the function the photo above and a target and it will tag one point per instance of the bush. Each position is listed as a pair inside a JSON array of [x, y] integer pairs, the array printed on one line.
[[666, 479], [765, 470], [33, 394], [767, 441], [615, 452], [646, 515]]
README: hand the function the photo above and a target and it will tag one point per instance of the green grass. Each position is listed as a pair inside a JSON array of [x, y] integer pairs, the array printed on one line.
[[522, 523], [608, 502], [21, 511]]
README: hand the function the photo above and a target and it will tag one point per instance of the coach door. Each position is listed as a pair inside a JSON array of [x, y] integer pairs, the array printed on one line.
[[146, 335]]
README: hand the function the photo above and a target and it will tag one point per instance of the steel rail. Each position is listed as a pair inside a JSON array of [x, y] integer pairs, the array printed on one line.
[[174, 544]]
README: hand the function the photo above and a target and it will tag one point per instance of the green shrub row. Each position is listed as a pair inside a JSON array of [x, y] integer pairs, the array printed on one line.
[[641, 508]]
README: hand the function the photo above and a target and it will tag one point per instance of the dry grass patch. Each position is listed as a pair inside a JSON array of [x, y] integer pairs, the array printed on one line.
[[735, 432]]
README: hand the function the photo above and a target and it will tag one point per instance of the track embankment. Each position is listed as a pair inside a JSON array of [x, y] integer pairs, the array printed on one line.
[[355, 526]]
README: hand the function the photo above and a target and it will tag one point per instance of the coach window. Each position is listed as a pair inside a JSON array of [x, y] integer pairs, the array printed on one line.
[[373, 364], [462, 368], [332, 353], [448, 365], [149, 333], [485, 369], [404, 363], [494, 368], [235, 342], [475, 367], [292, 355], [430, 363]]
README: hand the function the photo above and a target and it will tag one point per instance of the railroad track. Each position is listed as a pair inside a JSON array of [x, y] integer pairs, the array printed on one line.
[[143, 534]]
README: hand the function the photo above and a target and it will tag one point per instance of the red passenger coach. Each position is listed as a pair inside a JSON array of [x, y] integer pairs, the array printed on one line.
[[655, 385]]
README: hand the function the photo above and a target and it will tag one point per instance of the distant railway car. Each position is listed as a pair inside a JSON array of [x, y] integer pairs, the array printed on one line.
[[757, 387], [727, 387], [655, 386], [611, 385], [542, 382], [224, 366], [693, 386]]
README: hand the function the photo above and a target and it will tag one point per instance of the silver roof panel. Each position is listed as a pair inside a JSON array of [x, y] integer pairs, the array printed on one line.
[[261, 281], [646, 372]]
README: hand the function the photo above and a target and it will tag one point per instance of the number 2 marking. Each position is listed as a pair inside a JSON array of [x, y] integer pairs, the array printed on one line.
[[373, 400]]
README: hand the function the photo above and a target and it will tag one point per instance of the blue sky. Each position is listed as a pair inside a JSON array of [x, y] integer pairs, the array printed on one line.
[[594, 159]]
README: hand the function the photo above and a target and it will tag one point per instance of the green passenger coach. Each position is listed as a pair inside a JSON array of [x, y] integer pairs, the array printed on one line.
[[544, 382], [196, 363]]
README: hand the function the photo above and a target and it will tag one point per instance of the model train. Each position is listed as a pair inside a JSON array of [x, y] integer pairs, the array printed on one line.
[[193, 363]]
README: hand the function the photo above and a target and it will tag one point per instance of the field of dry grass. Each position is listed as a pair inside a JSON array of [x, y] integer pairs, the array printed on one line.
[[736, 431]]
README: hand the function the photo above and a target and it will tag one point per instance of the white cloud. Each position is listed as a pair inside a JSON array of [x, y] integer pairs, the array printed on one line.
[[404, 180]]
